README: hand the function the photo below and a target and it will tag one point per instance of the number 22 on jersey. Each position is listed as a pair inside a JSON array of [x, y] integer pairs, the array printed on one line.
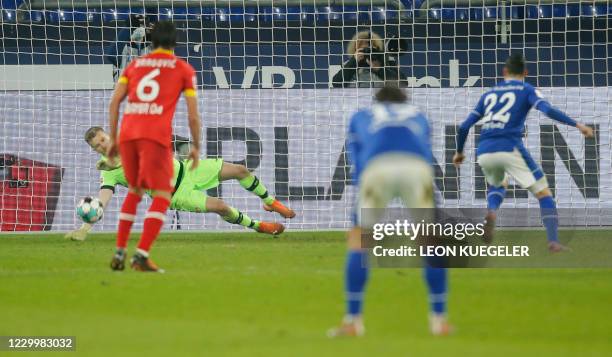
[[497, 119]]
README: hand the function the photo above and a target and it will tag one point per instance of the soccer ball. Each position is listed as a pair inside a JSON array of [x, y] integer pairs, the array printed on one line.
[[90, 210]]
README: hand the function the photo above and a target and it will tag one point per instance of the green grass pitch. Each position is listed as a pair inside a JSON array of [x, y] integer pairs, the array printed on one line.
[[248, 295]]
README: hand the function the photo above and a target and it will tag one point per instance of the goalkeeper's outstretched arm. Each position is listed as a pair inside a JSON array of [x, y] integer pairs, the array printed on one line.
[[104, 195]]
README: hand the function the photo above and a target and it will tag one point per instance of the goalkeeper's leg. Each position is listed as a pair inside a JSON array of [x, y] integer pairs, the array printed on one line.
[[234, 216], [252, 184], [197, 201]]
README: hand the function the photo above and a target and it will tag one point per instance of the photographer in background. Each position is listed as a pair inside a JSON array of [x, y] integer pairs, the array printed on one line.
[[132, 41], [369, 66]]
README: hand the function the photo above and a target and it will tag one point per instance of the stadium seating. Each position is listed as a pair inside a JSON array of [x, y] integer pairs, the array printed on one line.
[[418, 10]]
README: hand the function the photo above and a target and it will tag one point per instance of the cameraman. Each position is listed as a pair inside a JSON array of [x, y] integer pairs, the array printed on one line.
[[131, 42], [368, 65]]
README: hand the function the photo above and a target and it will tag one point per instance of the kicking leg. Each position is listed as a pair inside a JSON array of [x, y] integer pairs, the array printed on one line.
[[530, 176], [251, 183]]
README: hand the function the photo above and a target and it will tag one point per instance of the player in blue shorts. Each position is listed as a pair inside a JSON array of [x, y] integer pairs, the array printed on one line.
[[390, 152], [502, 112]]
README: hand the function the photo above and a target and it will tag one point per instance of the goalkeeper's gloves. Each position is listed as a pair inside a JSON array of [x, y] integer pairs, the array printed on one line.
[[79, 234]]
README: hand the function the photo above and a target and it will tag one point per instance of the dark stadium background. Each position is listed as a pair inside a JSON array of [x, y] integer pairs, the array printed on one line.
[[569, 41]]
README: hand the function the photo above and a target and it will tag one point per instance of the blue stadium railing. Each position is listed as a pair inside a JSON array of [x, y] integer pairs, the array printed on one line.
[[413, 10]]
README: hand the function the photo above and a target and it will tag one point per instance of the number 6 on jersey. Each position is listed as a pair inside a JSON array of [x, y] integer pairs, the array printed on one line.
[[148, 81]]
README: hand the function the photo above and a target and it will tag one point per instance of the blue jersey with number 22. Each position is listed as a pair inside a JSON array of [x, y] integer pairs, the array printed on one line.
[[502, 112]]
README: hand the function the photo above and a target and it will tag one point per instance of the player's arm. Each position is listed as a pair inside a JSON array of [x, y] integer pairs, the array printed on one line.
[[353, 146], [195, 129], [538, 102], [104, 195], [119, 94], [193, 116], [464, 130], [110, 179]]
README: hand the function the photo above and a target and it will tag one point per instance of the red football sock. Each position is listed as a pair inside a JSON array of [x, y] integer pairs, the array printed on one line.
[[154, 221], [126, 218]]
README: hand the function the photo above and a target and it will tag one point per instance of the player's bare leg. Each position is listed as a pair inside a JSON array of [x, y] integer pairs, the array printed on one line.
[[352, 323], [234, 216], [154, 220], [251, 183]]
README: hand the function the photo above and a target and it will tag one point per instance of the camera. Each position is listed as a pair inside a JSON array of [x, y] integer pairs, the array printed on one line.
[[372, 54], [395, 44]]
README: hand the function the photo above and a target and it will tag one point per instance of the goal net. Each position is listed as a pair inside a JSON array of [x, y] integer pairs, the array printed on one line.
[[277, 90]]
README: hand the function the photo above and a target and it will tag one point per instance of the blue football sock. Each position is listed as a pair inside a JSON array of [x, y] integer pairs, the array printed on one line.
[[495, 197], [436, 283], [356, 275], [550, 219]]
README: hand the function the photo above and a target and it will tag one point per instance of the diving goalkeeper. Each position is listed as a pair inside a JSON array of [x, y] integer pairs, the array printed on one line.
[[189, 188]]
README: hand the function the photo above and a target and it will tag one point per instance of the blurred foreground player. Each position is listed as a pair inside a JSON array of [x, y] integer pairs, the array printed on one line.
[[153, 84], [502, 111], [390, 152], [189, 193]]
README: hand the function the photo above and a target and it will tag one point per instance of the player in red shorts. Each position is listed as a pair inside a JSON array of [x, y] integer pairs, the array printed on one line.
[[152, 84]]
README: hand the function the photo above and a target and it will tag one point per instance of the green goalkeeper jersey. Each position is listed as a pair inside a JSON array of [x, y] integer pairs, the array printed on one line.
[[190, 192], [110, 178]]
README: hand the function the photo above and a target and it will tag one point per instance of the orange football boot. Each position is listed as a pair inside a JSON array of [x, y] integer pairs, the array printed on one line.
[[280, 208], [271, 228], [144, 264]]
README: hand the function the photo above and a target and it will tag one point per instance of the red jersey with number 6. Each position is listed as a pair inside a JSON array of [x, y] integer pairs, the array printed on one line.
[[155, 83]]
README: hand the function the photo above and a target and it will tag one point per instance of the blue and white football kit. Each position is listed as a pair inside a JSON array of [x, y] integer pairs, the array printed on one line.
[[390, 151], [502, 112]]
